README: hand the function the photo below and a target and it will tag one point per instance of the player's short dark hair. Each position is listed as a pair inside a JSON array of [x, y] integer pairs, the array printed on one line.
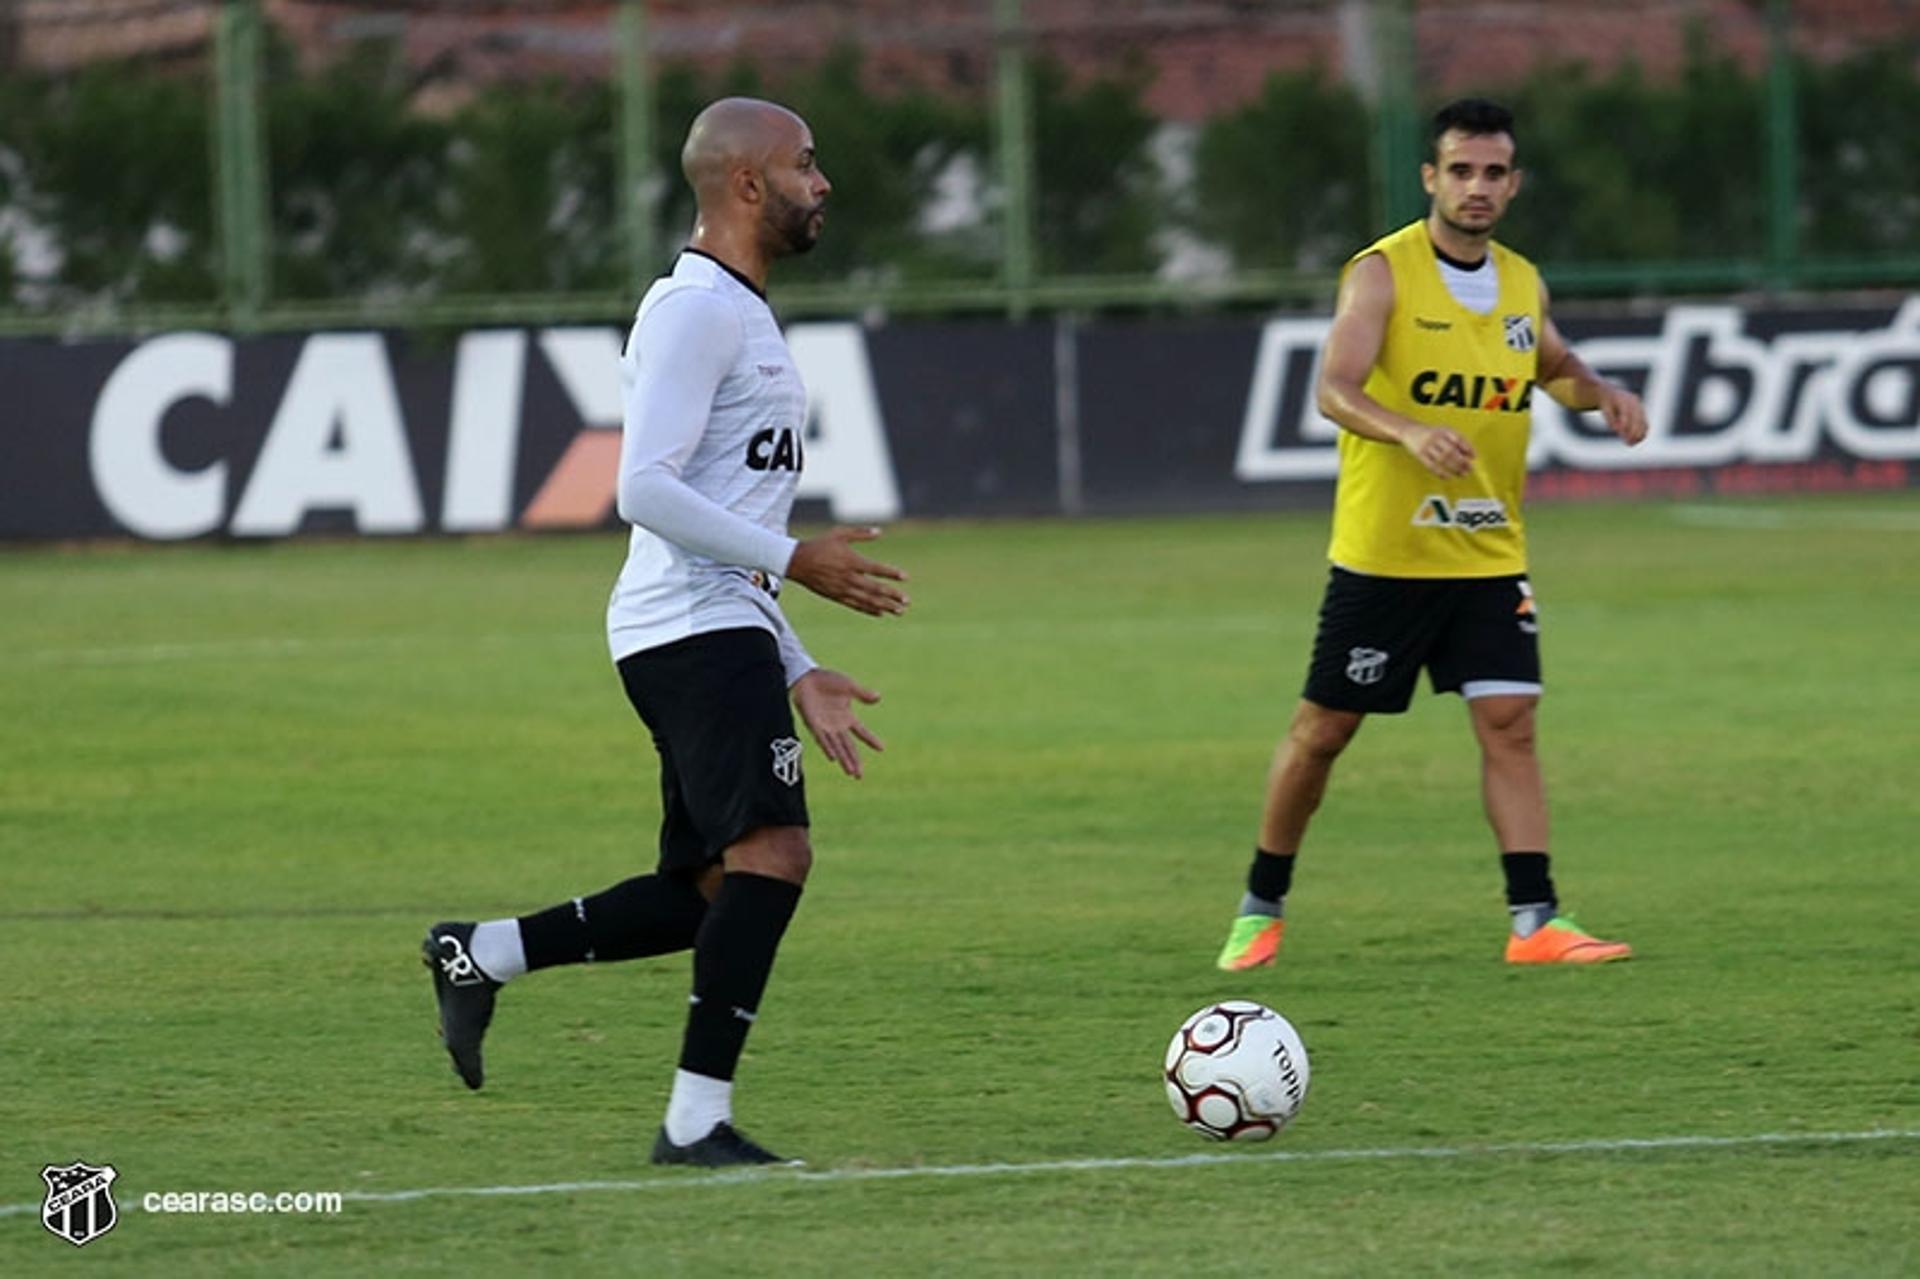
[[1475, 117]]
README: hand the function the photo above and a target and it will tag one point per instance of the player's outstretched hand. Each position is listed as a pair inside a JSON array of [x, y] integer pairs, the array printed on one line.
[[1626, 416], [828, 565], [1441, 451], [825, 700]]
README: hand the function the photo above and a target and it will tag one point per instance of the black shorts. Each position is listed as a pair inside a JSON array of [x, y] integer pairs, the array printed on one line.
[[716, 704], [1474, 635]]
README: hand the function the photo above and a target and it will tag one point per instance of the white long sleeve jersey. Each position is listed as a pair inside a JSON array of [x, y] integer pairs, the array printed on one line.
[[710, 455]]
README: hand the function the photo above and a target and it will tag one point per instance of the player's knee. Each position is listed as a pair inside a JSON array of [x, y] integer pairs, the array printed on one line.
[[1507, 726], [779, 852], [1322, 734]]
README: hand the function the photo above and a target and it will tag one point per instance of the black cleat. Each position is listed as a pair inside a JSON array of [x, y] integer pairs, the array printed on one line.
[[721, 1148], [464, 993]]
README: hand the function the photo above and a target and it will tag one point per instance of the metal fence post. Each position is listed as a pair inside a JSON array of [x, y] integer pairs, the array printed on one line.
[[240, 171], [1381, 63], [1783, 147], [636, 176], [1013, 134], [1396, 149], [1067, 455]]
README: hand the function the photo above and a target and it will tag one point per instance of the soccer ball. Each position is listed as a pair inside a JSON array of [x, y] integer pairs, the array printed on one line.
[[1236, 1071]]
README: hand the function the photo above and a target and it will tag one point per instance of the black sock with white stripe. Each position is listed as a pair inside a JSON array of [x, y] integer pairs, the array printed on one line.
[[648, 915], [1530, 896], [1268, 881], [732, 959]]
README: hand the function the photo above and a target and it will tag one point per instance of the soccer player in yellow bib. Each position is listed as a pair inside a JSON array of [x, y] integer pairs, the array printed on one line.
[[1440, 338]]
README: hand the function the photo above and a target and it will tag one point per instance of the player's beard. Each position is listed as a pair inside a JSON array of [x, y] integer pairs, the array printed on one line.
[[792, 222], [1458, 222]]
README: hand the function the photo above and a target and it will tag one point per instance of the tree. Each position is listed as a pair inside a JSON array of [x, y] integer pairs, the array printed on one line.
[[530, 191], [1098, 200], [1284, 182], [883, 153], [1859, 187], [359, 184], [114, 161], [1624, 169]]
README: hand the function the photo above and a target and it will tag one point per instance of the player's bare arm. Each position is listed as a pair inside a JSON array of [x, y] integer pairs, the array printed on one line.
[[825, 701], [1571, 381], [829, 566], [1353, 345]]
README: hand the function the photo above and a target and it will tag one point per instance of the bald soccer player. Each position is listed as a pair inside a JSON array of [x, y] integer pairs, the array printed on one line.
[[710, 456]]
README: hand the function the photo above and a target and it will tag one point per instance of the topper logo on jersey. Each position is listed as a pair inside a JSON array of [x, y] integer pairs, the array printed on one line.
[[1480, 391], [1469, 514], [172, 454]]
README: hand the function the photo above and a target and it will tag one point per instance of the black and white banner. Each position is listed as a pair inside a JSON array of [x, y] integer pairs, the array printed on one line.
[[190, 435]]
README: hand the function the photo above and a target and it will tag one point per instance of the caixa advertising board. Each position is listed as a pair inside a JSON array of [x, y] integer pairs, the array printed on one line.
[[193, 434]]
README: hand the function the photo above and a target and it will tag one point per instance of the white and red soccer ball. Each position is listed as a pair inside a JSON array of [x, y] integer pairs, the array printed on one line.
[[1236, 1071]]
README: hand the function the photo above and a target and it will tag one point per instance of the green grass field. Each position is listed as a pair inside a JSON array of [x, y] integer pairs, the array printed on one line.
[[236, 784]]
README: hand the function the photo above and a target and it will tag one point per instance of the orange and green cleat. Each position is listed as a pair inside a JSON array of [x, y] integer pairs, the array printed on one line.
[[1254, 941], [1561, 941]]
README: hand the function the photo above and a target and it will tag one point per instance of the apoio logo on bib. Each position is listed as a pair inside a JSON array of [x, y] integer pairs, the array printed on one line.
[[1470, 514]]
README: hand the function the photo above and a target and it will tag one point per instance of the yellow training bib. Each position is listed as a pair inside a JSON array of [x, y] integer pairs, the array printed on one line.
[[1443, 365]]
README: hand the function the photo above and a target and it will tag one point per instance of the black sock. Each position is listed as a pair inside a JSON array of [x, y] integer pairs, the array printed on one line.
[[732, 959], [1270, 876], [650, 915], [1528, 880]]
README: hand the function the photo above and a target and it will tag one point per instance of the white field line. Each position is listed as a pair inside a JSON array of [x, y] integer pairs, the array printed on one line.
[[1385, 1154], [1737, 516], [273, 648], [586, 638]]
